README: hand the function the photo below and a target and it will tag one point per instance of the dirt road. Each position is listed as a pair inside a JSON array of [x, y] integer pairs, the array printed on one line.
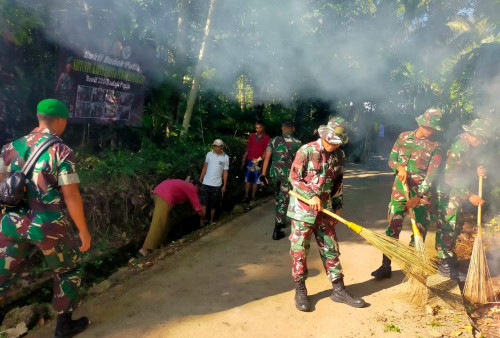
[[235, 282]]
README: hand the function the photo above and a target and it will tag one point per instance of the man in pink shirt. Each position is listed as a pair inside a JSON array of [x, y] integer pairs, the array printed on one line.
[[167, 194], [252, 159]]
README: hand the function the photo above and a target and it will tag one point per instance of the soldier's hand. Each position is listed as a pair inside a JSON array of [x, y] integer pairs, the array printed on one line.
[[425, 201], [476, 200], [86, 239], [402, 174], [315, 203], [481, 171], [413, 202]]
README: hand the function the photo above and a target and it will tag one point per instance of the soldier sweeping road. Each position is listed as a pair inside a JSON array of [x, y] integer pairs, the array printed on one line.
[[317, 174], [460, 174], [415, 160], [281, 150], [51, 188]]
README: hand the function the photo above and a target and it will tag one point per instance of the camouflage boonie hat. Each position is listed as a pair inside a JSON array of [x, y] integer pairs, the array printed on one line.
[[478, 127], [431, 119], [335, 132]]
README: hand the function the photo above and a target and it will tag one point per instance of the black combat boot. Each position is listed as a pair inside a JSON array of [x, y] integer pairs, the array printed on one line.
[[385, 270], [448, 268], [67, 327], [340, 295], [278, 234], [301, 302]]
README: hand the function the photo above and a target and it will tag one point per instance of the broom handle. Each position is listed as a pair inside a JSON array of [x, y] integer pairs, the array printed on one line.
[[479, 205], [414, 227], [351, 225]]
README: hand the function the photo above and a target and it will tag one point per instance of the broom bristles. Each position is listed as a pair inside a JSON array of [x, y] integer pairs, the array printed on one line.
[[478, 286], [407, 258], [420, 245], [442, 290], [415, 292]]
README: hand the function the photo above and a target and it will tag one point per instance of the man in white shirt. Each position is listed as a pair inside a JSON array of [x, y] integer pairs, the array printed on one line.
[[214, 178]]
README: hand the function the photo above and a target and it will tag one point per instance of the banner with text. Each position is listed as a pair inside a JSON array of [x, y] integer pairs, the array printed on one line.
[[104, 88]]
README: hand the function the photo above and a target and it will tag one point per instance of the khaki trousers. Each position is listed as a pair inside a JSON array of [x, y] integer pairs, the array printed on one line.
[[159, 224]]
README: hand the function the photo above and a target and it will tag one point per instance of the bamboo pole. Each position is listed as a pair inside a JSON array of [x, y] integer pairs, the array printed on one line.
[[416, 293], [478, 287]]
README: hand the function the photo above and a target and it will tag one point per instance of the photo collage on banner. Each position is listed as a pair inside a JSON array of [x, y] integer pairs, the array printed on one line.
[[101, 88]]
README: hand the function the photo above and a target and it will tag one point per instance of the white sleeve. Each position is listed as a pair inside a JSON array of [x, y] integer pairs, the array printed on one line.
[[66, 179], [226, 163], [3, 167]]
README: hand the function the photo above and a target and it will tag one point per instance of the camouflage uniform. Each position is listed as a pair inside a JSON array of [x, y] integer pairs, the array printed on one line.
[[42, 222], [316, 172], [283, 150], [421, 158], [461, 165]]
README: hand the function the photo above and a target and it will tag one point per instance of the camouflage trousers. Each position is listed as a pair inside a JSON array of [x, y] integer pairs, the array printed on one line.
[[19, 236], [449, 226], [397, 209], [326, 238], [281, 200]]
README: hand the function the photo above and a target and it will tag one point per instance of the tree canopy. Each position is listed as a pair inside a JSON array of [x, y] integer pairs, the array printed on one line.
[[402, 55]]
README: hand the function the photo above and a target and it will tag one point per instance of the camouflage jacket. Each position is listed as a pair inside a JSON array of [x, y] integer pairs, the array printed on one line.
[[460, 170], [54, 168], [420, 157], [316, 172], [283, 150]]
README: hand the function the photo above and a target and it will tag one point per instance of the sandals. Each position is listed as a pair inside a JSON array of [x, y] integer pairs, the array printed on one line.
[[144, 252]]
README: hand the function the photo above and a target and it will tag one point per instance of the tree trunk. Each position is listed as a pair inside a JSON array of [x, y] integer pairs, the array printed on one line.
[[180, 64], [300, 117], [257, 105], [197, 73], [87, 13], [242, 93]]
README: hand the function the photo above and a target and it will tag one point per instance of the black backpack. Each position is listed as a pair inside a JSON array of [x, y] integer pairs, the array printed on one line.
[[13, 185]]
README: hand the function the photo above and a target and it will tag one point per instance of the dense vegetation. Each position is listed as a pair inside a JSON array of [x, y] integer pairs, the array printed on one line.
[[385, 60]]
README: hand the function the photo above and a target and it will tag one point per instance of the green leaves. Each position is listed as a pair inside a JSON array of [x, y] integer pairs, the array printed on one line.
[[391, 328], [20, 22]]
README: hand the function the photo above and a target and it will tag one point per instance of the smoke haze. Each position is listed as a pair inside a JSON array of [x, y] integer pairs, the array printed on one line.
[[286, 48], [290, 48]]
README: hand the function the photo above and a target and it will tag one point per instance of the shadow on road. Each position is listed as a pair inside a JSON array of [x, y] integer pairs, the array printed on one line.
[[230, 268], [362, 289]]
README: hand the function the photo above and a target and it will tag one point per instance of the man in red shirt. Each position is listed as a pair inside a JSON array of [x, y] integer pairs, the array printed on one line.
[[167, 194], [252, 159]]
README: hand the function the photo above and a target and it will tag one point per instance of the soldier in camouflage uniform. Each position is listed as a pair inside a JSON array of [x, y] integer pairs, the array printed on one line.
[[281, 150], [42, 221], [460, 178], [415, 159], [317, 174]]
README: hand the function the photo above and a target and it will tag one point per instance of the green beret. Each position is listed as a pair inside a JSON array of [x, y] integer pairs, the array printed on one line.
[[52, 107]]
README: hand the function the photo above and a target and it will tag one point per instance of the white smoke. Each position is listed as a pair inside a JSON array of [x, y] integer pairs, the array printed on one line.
[[287, 48]]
